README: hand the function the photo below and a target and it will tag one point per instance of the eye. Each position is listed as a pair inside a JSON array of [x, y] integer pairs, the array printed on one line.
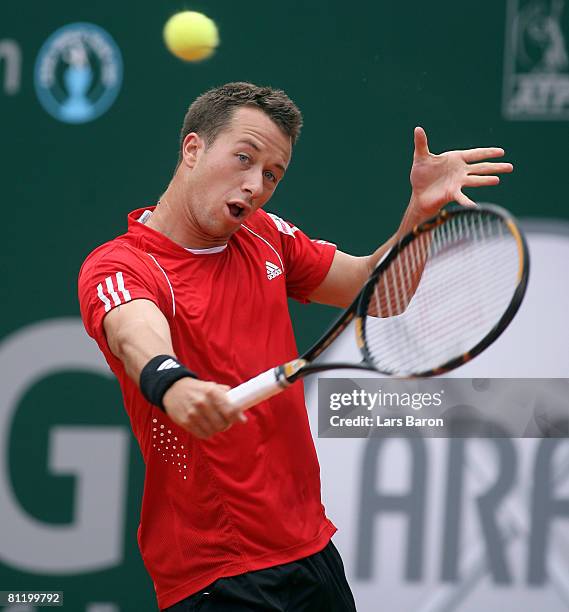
[[242, 157], [269, 175]]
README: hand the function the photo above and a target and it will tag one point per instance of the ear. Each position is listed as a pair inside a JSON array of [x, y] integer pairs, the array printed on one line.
[[192, 147]]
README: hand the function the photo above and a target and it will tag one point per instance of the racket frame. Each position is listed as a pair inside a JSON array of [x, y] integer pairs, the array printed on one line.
[[442, 217]]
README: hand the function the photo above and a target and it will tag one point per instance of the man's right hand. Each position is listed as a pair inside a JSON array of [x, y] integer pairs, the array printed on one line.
[[201, 407]]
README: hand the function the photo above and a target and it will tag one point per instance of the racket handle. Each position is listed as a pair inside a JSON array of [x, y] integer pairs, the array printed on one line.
[[257, 389], [264, 385]]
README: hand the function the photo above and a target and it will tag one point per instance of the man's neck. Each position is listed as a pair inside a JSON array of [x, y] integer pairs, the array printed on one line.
[[173, 218]]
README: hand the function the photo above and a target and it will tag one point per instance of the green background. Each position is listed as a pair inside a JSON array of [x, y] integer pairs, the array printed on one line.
[[364, 74]]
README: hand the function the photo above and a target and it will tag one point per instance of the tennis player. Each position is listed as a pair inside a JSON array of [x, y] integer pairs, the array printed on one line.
[[191, 301]]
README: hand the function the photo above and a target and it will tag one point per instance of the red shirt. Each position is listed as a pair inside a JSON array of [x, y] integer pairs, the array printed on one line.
[[248, 498]]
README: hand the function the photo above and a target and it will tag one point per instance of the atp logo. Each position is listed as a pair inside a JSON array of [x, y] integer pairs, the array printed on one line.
[[78, 73], [536, 62]]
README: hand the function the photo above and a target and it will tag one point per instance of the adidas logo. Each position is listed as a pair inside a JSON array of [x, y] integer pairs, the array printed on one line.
[[167, 365], [272, 270]]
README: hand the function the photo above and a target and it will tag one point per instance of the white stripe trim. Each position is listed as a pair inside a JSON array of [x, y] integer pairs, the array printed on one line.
[[169, 283], [283, 226], [266, 242], [122, 289], [277, 221], [111, 290], [103, 297], [208, 251]]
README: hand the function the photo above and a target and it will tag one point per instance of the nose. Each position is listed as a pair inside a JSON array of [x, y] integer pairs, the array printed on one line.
[[253, 184]]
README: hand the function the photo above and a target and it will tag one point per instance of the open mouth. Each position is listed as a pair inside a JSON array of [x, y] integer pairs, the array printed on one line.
[[236, 210]]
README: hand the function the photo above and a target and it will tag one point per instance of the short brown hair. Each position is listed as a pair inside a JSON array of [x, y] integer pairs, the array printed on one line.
[[213, 110]]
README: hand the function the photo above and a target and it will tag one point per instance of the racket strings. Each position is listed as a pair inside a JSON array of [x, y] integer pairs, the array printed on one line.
[[444, 345], [463, 280], [442, 294], [378, 307], [475, 319], [396, 287], [473, 314], [468, 318]]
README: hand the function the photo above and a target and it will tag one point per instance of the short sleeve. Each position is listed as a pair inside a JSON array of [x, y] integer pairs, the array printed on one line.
[[111, 276], [307, 261]]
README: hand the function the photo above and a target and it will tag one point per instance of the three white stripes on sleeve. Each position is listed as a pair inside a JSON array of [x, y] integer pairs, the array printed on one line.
[[117, 299]]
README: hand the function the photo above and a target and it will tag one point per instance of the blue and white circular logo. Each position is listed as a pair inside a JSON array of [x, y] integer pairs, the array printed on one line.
[[78, 73]]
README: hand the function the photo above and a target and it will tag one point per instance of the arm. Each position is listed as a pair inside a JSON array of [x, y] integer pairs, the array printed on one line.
[[436, 180], [138, 331]]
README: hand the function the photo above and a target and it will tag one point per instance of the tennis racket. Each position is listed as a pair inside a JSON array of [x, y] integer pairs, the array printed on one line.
[[438, 298]]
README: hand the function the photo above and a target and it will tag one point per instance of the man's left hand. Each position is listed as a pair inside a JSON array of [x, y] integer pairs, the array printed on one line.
[[439, 179]]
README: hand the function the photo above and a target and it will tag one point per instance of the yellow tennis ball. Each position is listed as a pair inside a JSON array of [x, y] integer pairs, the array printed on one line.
[[191, 36]]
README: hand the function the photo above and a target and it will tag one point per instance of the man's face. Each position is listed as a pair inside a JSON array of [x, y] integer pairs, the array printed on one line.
[[237, 174]]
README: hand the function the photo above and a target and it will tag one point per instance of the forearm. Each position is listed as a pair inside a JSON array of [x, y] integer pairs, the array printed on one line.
[[137, 344], [410, 219], [404, 293], [136, 333]]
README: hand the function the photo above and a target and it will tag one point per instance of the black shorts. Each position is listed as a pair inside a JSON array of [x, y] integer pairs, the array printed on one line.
[[316, 584]]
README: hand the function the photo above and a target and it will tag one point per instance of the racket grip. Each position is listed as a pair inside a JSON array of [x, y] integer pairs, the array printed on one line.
[[257, 389]]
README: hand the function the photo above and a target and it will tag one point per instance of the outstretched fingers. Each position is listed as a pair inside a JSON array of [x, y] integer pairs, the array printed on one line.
[[490, 168], [474, 155], [480, 181]]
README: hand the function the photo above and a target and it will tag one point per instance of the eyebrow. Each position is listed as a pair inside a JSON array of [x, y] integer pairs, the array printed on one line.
[[254, 146]]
